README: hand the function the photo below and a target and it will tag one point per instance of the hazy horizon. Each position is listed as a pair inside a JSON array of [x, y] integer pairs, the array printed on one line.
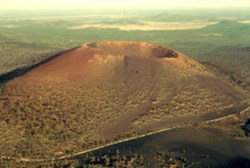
[[114, 4]]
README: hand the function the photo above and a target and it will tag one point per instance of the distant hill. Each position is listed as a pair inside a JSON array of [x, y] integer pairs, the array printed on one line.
[[167, 17], [228, 27]]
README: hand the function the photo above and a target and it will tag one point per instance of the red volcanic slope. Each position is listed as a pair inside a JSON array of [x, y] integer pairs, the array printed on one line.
[[79, 62]]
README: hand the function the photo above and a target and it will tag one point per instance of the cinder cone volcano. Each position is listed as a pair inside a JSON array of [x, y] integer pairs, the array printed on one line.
[[106, 91]]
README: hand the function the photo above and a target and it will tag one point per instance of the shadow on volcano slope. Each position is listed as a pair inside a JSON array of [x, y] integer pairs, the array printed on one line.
[[184, 147]]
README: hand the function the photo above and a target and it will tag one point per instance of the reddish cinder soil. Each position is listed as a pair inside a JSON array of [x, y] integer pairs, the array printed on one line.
[[76, 63]]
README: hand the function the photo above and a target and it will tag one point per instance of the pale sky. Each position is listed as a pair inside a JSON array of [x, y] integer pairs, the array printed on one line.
[[119, 4]]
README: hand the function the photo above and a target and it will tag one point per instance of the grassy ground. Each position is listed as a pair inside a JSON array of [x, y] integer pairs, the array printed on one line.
[[233, 125]]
